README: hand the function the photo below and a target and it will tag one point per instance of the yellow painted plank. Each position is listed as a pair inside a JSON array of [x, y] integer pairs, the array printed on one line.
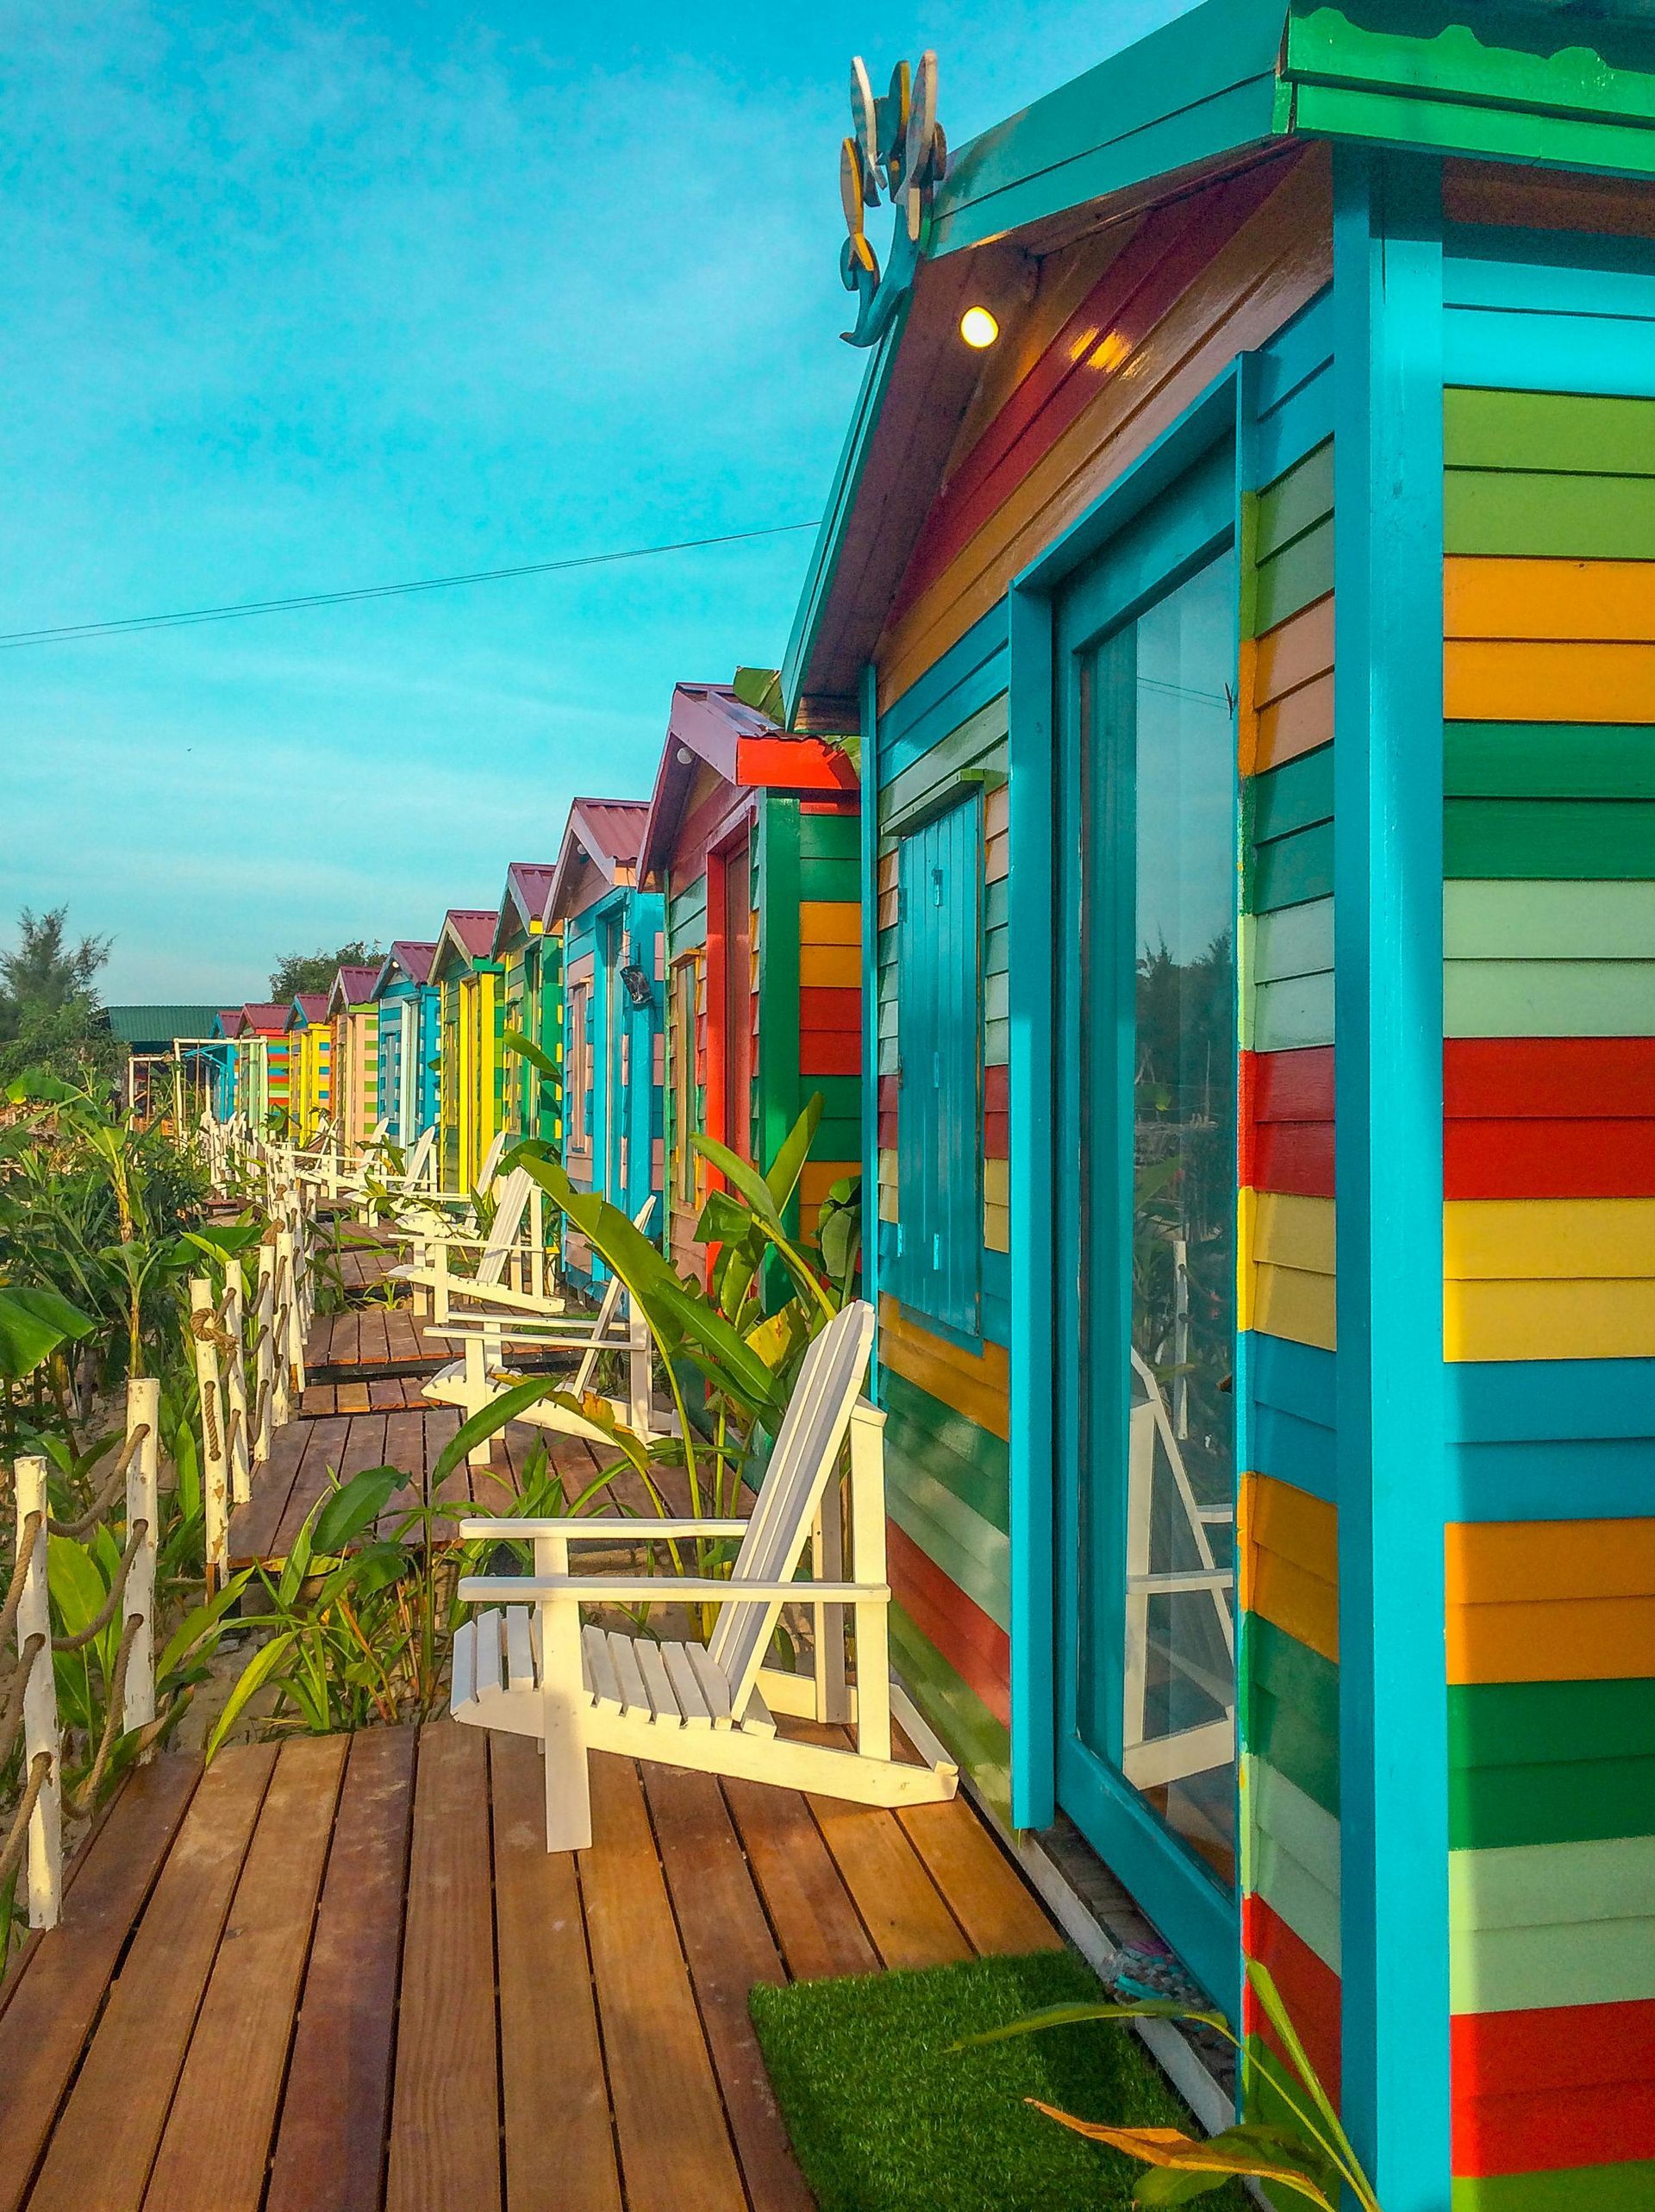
[[997, 858], [1525, 681], [1602, 601], [996, 1228], [1500, 1562], [1611, 1319], [1539, 1239], [997, 1182], [1286, 1301], [833, 967], [1302, 1605], [1293, 1232], [887, 878], [974, 1384], [1282, 1518], [829, 921]]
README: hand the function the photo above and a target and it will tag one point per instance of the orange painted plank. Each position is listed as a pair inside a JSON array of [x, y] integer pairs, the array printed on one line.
[[1295, 725], [1526, 681], [1593, 601], [1500, 1561], [975, 1383], [1295, 653], [1574, 1639]]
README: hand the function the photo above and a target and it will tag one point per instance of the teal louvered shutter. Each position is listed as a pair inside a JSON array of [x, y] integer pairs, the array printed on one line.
[[938, 1120]]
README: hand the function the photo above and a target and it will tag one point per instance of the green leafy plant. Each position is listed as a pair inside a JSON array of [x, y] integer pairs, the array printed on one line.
[[1310, 2156]]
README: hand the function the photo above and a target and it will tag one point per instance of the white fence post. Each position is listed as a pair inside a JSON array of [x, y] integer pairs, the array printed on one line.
[[143, 1503], [40, 1708], [264, 1368], [235, 1384], [215, 1484]]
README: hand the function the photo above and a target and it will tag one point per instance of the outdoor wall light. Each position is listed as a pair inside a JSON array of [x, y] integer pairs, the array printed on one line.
[[686, 756], [978, 328], [637, 984]]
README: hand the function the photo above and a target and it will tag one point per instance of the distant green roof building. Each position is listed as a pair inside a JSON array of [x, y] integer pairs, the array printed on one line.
[[152, 1028]]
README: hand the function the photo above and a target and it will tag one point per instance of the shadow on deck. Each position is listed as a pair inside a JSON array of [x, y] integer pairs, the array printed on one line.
[[344, 1975]]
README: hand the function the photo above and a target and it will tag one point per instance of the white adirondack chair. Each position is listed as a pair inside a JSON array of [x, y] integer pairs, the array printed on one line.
[[480, 1374], [1151, 1761], [387, 1190], [704, 1706], [487, 1282]]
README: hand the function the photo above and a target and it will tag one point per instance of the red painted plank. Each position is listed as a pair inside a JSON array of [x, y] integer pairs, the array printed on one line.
[[1309, 1989], [1564, 1078], [977, 1648], [827, 1052], [831, 1007], [1553, 2046], [794, 763], [1290, 1086], [997, 1136], [1157, 265], [1549, 2129], [996, 1089], [1290, 1156], [1535, 1159]]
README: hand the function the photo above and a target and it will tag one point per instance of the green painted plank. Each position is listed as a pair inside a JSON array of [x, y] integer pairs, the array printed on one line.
[[1531, 919], [997, 902], [978, 742], [975, 1465], [978, 1740], [1549, 760], [1292, 796], [1552, 1884], [1565, 432], [1540, 514], [997, 1044], [1566, 2188], [1522, 1969], [1279, 1807], [835, 881], [1291, 1015], [996, 951], [1503, 1723], [1289, 1709], [1293, 578], [1598, 68], [1296, 942], [1290, 870], [974, 1558], [996, 997], [1296, 502], [829, 837], [1584, 839], [1456, 127], [1548, 998], [1491, 1807], [842, 1101]]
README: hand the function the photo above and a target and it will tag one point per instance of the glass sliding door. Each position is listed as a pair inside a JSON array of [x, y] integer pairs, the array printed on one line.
[[1148, 1738]]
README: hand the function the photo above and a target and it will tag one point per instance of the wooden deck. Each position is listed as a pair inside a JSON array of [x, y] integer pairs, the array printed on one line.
[[344, 1975]]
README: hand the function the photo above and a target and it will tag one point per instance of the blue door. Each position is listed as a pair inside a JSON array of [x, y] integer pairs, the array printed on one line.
[[940, 1118], [1145, 1320]]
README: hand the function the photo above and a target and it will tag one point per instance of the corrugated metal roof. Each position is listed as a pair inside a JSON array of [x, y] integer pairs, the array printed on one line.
[[353, 986], [262, 1015], [135, 1025], [614, 827], [230, 1020], [414, 955], [474, 927], [313, 1004]]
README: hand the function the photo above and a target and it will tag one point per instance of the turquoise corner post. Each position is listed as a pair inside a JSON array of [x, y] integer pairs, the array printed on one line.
[[1392, 1460]]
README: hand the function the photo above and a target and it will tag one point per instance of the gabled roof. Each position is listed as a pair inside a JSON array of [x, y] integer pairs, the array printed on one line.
[[145, 1025], [409, 956], [353, 986], [308, 1010], [267, 1019], [465, 937], [1223, 86], [709, 724], [229, 1020], [608, 834], [523, 901]]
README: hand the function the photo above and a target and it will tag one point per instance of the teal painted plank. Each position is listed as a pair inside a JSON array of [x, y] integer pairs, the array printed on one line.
[[1541, 352], [1291, 797], [1290, 870], [1293, 578], [1296, 502], [979, 742], [1548, 998], [1549, 760], [1575, 838]]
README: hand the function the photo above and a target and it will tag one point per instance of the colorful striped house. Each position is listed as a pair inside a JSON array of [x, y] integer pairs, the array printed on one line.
[[614, 1046], [225, 1063], [754, 843], [408, 1038], [466, 976], [262, 1053], [1310, 1571], [309, 1062], [355, 1072], [531, 988]]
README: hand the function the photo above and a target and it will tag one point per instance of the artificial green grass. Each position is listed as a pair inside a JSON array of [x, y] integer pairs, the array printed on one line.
[[885, 2116]]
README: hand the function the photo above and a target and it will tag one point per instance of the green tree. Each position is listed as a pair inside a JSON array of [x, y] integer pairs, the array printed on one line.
[[300, 972], [50, 1016]]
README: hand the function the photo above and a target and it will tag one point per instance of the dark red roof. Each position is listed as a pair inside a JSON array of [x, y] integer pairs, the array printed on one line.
[[608, 832], [313, 1004], [264, 1017], [414, 956], [353, 986], [474, 927], [230, 1020]]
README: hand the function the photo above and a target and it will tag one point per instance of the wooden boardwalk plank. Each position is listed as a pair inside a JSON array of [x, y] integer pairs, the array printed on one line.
[[253, 1526], [675, 2154], [330, 2149], [560, 2144], [323, 1447], [729, 1947], [102, 2149], [216, 2148], [362, 1446], [445, 2126], [54, 1998], [983, 1891], [808, 1905], [900, 1904], [352, 1397]]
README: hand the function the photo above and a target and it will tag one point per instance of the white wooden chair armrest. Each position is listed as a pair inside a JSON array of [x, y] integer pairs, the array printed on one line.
[[577, 1336], [600, 1527], [661, 1590]]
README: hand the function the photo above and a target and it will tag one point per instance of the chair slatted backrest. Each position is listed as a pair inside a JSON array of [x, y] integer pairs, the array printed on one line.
[[608, 1312], [420, 1160], [506, 1226], [491, 1166], [801, 1466]]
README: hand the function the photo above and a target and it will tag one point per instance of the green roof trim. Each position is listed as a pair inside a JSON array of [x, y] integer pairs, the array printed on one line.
[[158, 1025]]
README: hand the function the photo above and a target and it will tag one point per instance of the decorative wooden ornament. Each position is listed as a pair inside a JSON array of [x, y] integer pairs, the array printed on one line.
[[896, 143]]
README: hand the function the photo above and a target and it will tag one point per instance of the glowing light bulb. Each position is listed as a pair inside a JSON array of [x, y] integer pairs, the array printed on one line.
[[978, 328]]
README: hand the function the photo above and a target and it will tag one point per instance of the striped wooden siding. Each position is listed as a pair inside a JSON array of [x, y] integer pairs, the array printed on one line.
[[1549, 1021], [1287, 1524]]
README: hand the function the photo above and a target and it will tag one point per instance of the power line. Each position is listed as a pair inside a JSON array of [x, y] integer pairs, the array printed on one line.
[[123, 626]]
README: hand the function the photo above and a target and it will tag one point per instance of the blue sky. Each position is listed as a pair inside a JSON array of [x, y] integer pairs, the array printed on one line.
[[305, 296]]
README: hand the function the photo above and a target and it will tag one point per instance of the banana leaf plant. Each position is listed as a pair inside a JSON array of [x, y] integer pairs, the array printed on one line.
[[1309, 2155]]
